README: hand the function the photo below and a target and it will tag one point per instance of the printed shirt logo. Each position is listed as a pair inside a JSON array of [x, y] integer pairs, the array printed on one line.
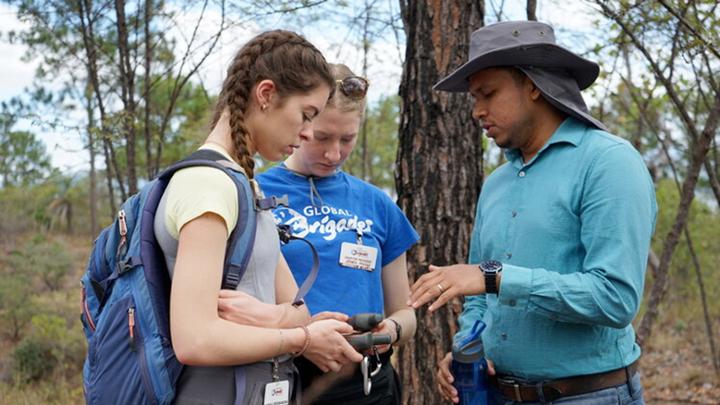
[[322, 220]]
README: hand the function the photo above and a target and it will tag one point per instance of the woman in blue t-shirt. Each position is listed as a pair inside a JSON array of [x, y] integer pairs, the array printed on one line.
[[361, 236]]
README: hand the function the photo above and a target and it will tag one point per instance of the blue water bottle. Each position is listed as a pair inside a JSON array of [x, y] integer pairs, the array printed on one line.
[[469, 367]]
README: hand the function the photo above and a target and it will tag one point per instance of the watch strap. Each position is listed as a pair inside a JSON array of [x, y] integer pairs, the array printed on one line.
[[491, 282]]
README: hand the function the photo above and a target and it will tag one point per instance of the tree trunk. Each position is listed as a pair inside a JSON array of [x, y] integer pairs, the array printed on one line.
[[146, 90], [84, 9], [91, 150], [703, 300], [713, 179], [700, 151], [531, 10], [127, 94], [440, 171], [365, 166]]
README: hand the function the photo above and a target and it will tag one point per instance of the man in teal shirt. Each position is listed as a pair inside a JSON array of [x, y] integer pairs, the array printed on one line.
[[560, 244]]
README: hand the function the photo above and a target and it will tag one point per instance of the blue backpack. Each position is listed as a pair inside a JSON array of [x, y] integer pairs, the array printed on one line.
[[126, 294]]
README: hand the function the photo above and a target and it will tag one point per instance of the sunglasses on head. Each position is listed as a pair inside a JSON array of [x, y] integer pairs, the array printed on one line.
[[353, 87]]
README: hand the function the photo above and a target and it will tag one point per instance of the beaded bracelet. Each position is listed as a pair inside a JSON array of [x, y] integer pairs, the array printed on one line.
[[307, 341]]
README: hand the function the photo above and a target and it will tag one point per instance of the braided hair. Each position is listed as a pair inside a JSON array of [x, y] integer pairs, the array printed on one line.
[[293, 64]]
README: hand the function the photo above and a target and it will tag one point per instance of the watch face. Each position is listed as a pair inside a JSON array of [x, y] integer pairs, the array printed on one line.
[[491, 266]]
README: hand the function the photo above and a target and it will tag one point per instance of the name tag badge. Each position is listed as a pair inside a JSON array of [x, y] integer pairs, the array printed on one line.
[[277, 393], [358, 256]]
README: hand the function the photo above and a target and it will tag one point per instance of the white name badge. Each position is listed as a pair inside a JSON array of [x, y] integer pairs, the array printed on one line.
[[358, 256], [277, 393]]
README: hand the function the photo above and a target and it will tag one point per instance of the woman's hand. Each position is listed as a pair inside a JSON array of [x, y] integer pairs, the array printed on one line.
[[441, 284], [328, 348], [242, 308], [385, 328], [330, 315]]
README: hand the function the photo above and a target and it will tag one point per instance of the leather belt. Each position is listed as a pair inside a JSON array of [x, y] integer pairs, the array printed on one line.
[[524, 391]]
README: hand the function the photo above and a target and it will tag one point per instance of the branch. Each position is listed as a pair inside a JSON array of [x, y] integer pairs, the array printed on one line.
[[181, 81], [707, 44], [667, 83], [699, 154]]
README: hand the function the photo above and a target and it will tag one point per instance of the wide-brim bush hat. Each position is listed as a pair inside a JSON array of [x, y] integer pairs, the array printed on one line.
[[530, 46]]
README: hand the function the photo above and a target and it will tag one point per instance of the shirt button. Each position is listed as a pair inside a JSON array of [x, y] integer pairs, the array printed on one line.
[[503, 336], [522, 173], [508, 255], [512, 303], [514, 213]]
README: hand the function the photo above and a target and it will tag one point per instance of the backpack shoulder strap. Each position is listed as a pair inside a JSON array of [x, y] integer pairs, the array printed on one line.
[[243, 235]]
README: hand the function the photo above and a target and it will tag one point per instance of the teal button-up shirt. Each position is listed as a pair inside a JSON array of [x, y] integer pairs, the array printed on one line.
[[572, 228]]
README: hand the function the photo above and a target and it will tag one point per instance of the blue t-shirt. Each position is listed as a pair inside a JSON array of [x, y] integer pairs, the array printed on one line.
[[572, 227], [328, 211]]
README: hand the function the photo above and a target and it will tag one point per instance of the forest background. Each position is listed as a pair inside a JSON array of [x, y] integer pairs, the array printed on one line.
[[121, 89]]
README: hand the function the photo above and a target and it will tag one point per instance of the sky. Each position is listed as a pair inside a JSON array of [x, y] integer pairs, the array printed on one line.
[[571, 21]]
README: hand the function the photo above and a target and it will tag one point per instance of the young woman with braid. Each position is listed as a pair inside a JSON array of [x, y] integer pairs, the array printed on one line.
[[276, 85]]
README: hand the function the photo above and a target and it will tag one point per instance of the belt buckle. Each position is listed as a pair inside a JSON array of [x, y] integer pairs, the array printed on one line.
[[517, 395]]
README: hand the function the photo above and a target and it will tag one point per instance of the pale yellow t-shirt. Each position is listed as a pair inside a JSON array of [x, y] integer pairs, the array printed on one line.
[[197, 190]]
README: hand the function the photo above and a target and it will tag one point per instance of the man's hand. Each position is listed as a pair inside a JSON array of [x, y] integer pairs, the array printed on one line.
[[446, 379], [444, 283]]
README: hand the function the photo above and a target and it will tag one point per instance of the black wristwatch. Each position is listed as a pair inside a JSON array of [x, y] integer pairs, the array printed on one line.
[[490, 269]]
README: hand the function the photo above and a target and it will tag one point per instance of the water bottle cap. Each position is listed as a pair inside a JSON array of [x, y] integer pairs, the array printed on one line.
[[469, 352], [470, 349]]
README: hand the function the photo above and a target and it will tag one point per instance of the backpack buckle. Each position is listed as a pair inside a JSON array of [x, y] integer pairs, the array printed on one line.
[[271, 202], [231, 281], [123, 266], [284, 233]]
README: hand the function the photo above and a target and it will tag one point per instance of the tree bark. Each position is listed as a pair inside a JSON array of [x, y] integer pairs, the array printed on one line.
[[440, 171]]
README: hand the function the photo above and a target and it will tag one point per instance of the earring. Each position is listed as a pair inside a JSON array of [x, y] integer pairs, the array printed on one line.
[[263, 107]]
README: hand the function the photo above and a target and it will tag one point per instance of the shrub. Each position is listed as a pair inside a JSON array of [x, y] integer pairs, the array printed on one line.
[[33, 360], [16, 309], [47, 259]]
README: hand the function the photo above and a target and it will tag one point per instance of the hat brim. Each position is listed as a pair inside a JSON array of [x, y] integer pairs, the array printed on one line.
[[543, 55], [562, 92]]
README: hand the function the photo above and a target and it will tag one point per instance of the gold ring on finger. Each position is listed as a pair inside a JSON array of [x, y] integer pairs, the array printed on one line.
[[440, 287]]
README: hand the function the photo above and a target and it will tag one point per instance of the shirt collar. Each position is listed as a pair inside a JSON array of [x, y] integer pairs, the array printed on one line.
[[570, 131]]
